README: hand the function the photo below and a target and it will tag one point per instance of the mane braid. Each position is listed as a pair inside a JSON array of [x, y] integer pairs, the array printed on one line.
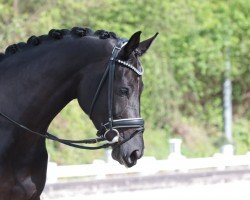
[[54, 34]]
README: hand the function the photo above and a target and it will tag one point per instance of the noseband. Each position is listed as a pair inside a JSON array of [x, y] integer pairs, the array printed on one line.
[[108, 131]]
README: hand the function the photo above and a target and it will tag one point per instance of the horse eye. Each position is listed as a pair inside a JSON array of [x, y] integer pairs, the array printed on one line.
[[124, 91]]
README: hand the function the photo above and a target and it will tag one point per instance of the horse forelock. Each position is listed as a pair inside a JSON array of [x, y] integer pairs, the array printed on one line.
[[53, 35]]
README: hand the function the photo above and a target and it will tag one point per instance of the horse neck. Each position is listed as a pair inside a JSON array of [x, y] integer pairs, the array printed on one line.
[[34, 91]]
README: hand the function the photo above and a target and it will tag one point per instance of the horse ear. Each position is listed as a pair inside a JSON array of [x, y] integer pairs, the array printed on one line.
[[144, 45], [131, 45]]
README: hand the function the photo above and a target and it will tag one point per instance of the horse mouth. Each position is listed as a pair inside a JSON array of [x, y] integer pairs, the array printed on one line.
[[127, 160]]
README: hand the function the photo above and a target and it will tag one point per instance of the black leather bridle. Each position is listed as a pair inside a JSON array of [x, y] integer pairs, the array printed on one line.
[[108, 131]]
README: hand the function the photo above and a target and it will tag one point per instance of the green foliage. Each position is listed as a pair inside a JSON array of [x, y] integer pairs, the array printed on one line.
[[184, 69], [74, 124], [242, 136], [156, 143]]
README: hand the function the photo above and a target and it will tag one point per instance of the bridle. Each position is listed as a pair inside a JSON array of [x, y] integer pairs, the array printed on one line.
[[108, 131]]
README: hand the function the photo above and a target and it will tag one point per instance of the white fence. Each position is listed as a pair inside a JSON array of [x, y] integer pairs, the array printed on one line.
[[146, 166]]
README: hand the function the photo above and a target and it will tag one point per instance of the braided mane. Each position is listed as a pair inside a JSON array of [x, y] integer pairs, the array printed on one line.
[[55, 34]]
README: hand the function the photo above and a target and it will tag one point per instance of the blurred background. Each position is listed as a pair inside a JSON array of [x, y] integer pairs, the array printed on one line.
[[199, 57]]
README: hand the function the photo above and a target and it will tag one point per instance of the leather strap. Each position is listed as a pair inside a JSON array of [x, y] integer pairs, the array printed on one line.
[[98, 91], [126, 123]]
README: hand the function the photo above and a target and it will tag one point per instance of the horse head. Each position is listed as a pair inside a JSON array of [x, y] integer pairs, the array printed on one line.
[[113, 100]]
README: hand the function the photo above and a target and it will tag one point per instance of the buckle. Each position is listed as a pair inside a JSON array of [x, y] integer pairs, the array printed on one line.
[[116, 48]]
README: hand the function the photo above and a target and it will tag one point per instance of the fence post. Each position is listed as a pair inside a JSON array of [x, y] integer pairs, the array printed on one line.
[[175, 148], [52, 176]]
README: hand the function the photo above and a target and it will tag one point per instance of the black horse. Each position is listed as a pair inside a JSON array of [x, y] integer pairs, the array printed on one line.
[[40, 77]]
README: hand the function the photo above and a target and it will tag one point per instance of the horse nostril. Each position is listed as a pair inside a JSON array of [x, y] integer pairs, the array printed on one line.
[[131, 160], [135, 155]]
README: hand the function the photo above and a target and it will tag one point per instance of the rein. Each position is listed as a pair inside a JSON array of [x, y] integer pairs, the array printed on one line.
[[108, 131]]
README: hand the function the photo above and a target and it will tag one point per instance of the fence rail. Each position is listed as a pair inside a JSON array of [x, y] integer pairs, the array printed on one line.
[[100, 169]]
